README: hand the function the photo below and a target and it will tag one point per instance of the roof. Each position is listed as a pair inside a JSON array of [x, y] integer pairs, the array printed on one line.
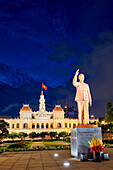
[[5, 117], [58, 108], [25, 108]]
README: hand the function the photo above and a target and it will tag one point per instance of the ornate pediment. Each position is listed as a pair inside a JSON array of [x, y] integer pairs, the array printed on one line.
[[42, 114]]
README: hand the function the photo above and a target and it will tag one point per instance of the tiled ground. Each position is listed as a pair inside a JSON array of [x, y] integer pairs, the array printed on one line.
[[45, 160]]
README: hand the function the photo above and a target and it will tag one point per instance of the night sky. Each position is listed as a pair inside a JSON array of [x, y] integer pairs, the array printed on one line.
[[47, 41]]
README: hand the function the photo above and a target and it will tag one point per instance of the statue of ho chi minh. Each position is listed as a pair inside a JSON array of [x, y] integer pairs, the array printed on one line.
[[83, 98]]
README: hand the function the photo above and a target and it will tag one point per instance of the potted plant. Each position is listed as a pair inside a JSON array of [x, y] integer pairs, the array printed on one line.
[[96, 146]]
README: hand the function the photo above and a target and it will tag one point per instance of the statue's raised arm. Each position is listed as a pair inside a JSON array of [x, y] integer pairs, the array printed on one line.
[[75, 78]]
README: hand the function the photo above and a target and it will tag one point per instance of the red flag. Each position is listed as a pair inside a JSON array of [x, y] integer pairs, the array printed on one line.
[[44, 87]]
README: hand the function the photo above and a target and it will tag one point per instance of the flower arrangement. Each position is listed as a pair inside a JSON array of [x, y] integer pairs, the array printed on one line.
[[96, 145]]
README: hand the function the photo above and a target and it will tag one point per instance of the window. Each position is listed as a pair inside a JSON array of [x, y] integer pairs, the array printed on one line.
[[51, 125], [25, 126], [59, 125], [12, 125], [69, 125], [42, 126], [33, 117], [38, 125], [33, 126], [65, 125], [17, 125], [74, 125], [46, 125]]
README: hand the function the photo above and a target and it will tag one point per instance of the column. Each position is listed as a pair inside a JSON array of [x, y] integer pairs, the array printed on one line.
[[15, 125], [44, 125]]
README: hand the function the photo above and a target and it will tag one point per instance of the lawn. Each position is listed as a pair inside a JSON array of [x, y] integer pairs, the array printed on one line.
[[52, 144]]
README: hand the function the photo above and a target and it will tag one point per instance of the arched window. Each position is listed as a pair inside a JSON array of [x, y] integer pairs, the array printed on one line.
[[69, 125], [51, 125], [12, 125], [38, 125], [33, 125], [65, 125], [42, 126], [74, 125], [25, 126], [59, 125], [46, 125], [17, 125]]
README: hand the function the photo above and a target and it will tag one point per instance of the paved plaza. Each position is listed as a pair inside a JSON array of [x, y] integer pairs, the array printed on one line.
[[45, 160]]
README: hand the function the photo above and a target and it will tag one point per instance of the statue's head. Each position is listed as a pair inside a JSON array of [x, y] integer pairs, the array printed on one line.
[[81, 77]]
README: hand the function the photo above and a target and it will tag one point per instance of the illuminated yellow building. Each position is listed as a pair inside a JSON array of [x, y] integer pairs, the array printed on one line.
[[42, 120]]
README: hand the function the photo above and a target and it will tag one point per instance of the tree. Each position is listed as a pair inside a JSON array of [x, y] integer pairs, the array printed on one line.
[[107, 130], [3, 129], [12, 135], [22, 135], [33, 135], [109, 112], [42, 135], [63, 134], [53, 134]]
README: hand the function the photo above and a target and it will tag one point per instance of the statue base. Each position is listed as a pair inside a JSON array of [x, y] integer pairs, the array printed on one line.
[[80, 137]]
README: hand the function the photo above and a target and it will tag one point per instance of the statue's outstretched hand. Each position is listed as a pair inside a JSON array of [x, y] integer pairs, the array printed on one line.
[[77, 72], [90, 104]]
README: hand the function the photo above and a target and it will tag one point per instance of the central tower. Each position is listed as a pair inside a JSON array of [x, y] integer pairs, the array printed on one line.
[[42, 106]]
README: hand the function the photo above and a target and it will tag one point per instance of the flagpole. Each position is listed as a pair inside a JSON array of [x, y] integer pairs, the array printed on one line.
[[42, 89]]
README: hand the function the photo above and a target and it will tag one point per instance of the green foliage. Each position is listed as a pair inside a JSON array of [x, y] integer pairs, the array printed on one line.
[[68, 140], [99, 124], [52, 144], [12, 135], [26, 146], [109, 112], [33, 135], [22, 135], [107, 130], [43, 134], [53, 134], [63, 134], [108, 141], [108, 105], [19, 145], [3, 129]]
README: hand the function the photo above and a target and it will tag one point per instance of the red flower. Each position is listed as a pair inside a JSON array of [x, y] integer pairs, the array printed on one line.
[[98, 148]]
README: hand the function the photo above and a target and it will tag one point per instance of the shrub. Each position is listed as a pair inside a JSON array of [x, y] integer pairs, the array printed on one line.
[[19, 145], [68, 140], [108, 141]]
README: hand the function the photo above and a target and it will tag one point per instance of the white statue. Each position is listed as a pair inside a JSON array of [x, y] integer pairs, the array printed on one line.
[[83, 98]]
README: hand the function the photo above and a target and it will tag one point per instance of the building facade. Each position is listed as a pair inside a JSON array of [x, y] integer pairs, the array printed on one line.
[[42, 120]]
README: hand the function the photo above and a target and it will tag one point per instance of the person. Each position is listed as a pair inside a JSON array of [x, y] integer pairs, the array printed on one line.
[[83, 98]]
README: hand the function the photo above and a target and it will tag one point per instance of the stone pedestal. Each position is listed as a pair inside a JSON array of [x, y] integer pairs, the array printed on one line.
[[80, 137]]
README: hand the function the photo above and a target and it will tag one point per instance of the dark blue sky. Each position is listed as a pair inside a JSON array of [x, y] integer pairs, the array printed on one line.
[[48, 41]]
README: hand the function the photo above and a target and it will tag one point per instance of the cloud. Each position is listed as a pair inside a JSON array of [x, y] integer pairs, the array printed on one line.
[[62, 52], [97, 66], [7, 108], [13, 76]]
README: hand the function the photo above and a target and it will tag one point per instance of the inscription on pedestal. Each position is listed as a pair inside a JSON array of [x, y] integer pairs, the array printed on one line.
[[80, 138]]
